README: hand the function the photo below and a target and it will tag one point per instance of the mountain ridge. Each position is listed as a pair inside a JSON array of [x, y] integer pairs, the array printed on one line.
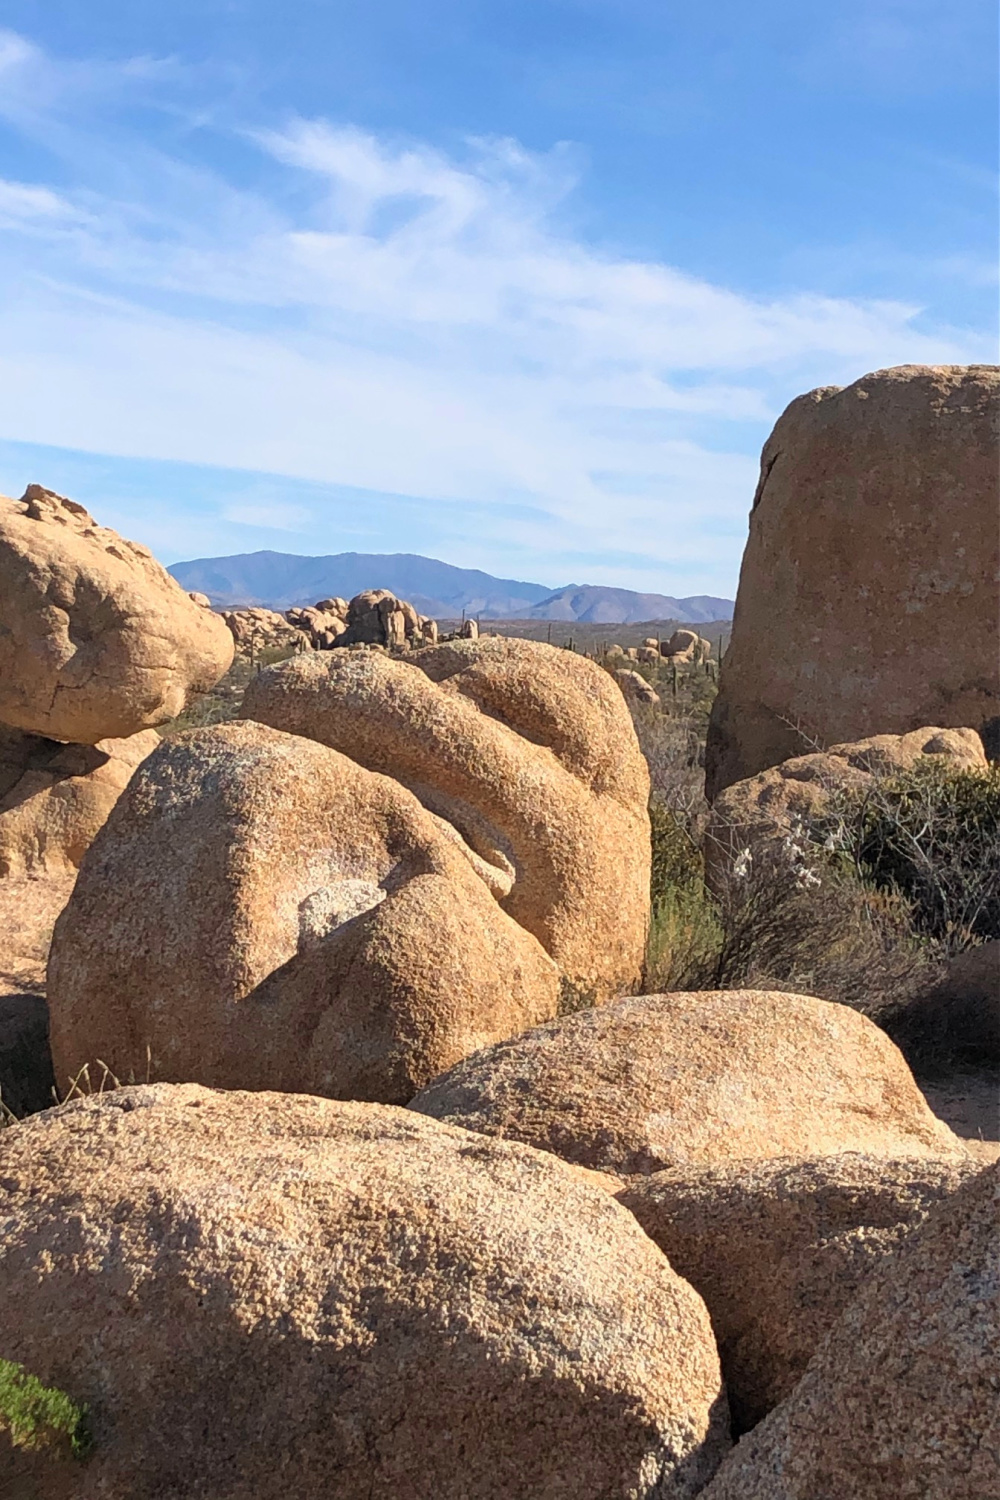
[[279, 580]]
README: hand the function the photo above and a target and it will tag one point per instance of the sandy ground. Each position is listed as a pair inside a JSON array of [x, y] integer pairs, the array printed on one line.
[[970, 1104]]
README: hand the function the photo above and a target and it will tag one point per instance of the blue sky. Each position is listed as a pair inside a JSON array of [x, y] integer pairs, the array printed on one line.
[[521, 286]]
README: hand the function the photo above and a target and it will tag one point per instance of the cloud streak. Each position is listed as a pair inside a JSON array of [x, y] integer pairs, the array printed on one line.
[[373, 313]]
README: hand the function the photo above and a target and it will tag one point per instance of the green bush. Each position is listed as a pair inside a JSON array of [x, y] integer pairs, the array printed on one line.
[[40, 1416], [932, 835]]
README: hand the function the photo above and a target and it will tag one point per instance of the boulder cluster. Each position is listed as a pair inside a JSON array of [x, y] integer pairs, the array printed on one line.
[[374, 617], [378, 1177]]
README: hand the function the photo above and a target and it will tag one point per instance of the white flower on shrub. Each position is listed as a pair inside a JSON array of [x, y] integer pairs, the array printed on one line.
[[742, 863]]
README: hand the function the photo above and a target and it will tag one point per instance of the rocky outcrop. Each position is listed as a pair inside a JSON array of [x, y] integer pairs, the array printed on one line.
[[261, 912], [685, 647], [256, 630], [901, 1398], [54, 798], [375, 617], [97, 641], [867, 596], [661, 1080], [635, 688], [768, 806], [529, 753], [779, 1248], [263, 1296]]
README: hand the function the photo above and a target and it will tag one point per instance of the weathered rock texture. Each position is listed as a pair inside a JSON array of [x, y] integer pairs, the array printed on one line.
[[901, 1400], [635, 688], [766, 806], [375, 617], [54, 798], [686, 646], [660, 1080], [529, 752], [263, 1296], [779, 1248], [261, 912], [255, 630], [867, 600], [97, 641]]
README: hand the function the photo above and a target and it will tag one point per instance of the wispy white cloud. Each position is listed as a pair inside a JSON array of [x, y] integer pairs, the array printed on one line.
[[391, 318]]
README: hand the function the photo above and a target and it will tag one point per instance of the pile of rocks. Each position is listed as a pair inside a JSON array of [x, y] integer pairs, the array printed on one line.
[[374, 617], [255, 630]]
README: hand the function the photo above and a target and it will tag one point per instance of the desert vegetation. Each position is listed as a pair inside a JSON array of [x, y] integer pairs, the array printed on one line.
[[865, 902]]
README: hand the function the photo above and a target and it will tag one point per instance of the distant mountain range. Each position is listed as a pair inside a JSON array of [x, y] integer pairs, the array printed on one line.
[[279, 580]]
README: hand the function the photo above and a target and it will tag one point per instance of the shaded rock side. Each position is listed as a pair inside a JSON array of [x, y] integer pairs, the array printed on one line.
[[902, 1400], [261, 912], [29, 906], [97, 641], [529, 753], [264, 1295], [867, 595], [54, 798], [959, 1018], [779, 1248], [661, 1080]]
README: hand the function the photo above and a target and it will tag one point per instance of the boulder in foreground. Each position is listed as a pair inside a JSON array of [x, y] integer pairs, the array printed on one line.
[[528, 753], [659, 1080], [779, 1248], [902, 1400], [261, 912], [97, 641], [260, 1296]]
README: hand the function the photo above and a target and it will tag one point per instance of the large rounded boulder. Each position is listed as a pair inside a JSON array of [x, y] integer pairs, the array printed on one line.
[[659, 1080], [529, 753], [261, 912], [97, 641], [257, 1296], [902, 1399], [867, 596], [779, 1248]]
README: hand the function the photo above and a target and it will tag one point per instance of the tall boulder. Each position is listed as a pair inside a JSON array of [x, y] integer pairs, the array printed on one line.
[[868, 593], [261, 912], [529, 753], [663, 1080], [260, 1296], [779, 1248], [97, 641], [900, 1401]]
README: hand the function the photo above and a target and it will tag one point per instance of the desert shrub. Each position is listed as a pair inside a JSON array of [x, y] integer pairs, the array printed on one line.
[[793, 916], [39, 1416], [863, 904], [933, 835]]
